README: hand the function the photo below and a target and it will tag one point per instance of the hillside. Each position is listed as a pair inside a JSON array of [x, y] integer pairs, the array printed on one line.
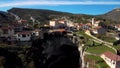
[[38, 14], [113, 15], [43, 16], [5, 17]]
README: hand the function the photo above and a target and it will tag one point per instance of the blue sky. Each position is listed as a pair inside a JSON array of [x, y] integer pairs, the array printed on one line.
[[92, 7]]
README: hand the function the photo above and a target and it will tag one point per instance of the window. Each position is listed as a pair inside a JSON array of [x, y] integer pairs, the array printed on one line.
[[18, 35], [113, 62], [28, 35], [23, 35], [5, 31]]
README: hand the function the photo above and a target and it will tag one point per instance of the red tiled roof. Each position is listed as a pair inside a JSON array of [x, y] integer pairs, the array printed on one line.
[[61, 21], [112, 56], [89, 24], [24, 32], [5, 28], [81, 24], [118, 25], [16, 24], [23, 20], [37, 30], [98, 21], [58, 30]]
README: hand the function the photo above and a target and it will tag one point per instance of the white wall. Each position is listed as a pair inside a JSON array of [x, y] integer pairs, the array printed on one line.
[[95, 24], [70, 24], [118, 29], [95, 31], [52, 23], [21, 38], [11, 32], [117, 38]]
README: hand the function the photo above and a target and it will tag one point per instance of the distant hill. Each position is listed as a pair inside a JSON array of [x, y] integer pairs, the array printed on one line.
[[43, 16], [38, 14], [113, 15]]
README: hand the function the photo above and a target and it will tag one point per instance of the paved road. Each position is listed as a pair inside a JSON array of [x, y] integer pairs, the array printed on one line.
[[88, 53]]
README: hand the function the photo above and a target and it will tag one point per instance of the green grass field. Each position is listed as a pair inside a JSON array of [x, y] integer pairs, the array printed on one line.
[[99, 49], [83, 33], [116, 46], [108, 39]]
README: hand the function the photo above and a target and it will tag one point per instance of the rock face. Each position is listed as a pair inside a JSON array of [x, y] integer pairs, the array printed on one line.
[[10, 59], [54, 51]]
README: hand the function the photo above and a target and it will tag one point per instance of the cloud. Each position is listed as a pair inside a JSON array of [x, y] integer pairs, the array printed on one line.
[[32, 3]]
